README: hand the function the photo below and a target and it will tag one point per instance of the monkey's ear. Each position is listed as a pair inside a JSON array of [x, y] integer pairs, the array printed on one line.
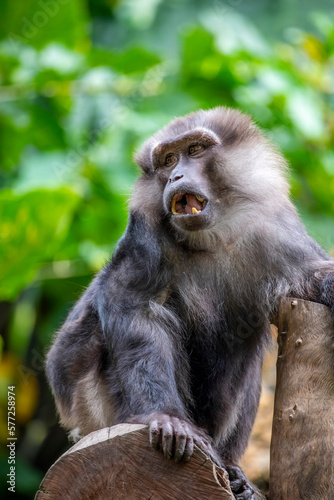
[[143, 158]]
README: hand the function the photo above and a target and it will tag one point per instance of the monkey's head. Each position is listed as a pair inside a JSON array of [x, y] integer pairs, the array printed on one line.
[[209, 168]]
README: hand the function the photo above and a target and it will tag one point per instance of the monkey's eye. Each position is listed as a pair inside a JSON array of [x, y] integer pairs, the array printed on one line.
[[194, 148], [171, 158]]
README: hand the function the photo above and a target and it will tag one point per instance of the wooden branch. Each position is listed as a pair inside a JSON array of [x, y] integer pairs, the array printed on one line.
[[302, 445], [117, 463]]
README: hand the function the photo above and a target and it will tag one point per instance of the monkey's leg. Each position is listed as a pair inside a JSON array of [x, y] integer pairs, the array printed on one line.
[[92, 405], [232, 449], [240, 485], [78, 370]]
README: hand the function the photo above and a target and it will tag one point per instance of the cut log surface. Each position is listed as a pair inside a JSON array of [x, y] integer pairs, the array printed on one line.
[[302, 446], [117, 463]]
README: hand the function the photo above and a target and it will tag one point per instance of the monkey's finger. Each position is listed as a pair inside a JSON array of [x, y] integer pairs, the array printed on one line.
[[167, 440], [215, 460], [189, 449], [237, 484], [180, 445], [234, 473], [208, 450], [203, 445], [154, 433], [180, 437], [245, 495]]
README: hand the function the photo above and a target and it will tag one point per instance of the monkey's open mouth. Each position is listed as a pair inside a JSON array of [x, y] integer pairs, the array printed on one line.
[[187, 204]]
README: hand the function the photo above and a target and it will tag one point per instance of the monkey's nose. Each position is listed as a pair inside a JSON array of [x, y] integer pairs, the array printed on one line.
[[175, 178]]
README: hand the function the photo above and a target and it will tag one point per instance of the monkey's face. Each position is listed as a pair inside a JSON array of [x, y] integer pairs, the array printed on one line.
[[210, 169], [182, 166]]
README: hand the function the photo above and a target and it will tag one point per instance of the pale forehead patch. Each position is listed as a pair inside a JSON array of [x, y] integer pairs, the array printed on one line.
[[206, 131], [203, 132]]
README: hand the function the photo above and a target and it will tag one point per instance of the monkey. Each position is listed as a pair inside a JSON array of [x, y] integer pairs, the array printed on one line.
[[172, 332]]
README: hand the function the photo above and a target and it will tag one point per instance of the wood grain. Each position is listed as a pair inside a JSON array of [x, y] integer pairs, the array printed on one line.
[[118, 463], [302, 445]]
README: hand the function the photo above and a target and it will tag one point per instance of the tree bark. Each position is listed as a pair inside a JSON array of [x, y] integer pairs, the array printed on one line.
[[302, 445], [117, 463]]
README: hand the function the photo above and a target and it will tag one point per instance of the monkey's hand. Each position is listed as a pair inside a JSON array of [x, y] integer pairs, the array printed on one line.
[[240, 486], [176, 437]]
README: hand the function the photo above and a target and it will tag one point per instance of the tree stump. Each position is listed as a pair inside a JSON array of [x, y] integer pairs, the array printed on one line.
[[117, 463], [302, 445]]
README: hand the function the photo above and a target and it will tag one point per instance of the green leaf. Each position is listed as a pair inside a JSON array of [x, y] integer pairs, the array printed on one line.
[[37, 22], [305, 110], [32, 228], [133, 60]]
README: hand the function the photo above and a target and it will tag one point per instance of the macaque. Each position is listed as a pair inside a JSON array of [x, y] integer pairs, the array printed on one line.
[[172, 332]]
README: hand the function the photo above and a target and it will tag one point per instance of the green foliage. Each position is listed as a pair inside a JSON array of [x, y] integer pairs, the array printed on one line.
[[83, 84], [33, 226]]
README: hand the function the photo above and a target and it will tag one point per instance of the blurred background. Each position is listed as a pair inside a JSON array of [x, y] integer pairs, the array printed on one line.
[[83, 83]]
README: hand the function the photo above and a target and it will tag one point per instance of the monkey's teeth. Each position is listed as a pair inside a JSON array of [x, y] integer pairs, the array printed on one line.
[[195, 211], [173, 206], [200, 198]]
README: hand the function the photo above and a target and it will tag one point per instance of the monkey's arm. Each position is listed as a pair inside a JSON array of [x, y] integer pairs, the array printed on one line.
[[319, 282], [139, 333], [320, 275], [327, 289], [138, 330], [320, 287]]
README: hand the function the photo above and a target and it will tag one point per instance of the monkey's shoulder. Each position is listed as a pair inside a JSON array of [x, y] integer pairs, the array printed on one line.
[[138, 262]]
